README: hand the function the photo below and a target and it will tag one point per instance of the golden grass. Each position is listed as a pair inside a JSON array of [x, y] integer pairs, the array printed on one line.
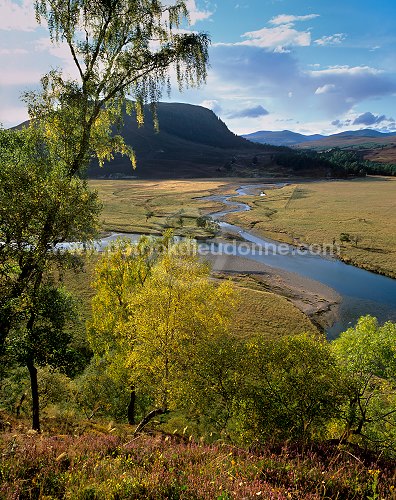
[[269, 315], [318, 212], [151, 206]]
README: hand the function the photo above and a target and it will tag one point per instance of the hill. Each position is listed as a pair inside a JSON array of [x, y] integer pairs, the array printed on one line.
[[366, 132], [358, 139], [347, 138], [192, 142], [280, 138]]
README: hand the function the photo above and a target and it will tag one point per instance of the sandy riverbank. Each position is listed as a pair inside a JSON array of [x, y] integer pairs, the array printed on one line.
[[317, 301]]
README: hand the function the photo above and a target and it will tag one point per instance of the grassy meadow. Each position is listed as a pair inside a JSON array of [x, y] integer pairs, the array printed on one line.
[[151, 206], [318, 212], [310, 212], [267, 314]]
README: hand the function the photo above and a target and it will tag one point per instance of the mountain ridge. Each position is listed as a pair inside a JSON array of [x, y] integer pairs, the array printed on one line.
[[289, 138], [280, 138]]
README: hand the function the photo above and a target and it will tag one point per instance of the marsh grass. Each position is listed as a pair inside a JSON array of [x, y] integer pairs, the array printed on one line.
[[150, 207], [268, 315], [318, 212]]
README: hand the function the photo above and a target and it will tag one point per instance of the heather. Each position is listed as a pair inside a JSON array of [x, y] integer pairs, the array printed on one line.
[[115, 465]]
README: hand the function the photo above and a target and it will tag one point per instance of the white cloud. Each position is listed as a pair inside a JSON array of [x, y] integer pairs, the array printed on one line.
[[328, 91], [61, 51], [277, 38], [20, 76], [335, 39], [17, 16], [325, 89], [290, 19], [195, 14], [346, 70], [212, 104]]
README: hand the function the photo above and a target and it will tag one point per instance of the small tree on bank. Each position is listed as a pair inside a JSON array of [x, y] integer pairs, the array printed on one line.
[[154, 332], [367, 358]]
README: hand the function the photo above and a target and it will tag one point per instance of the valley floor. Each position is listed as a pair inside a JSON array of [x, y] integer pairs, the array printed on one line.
[[301, 213]]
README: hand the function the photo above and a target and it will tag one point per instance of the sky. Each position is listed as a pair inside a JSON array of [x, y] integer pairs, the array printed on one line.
[[310, 66]]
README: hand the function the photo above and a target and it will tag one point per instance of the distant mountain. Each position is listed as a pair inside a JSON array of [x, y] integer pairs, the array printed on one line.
[[366, 132], [280, 138], [356, 139], [192, 142], [361, 139]]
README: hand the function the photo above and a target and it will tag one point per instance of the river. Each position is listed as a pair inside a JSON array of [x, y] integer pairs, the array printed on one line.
[[362, 292]]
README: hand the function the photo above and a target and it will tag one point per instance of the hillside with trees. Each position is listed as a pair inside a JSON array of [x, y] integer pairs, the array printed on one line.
[[155, 394]]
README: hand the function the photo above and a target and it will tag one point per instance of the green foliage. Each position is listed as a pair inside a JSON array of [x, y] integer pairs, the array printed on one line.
[[122, 269], [337, 162], [155, 315], [128, 48], [367, 358], [206, 222], [345, 237], [172, 317], [40, 208], [99, 395], [46, 340], [293, 391], [44, 202]]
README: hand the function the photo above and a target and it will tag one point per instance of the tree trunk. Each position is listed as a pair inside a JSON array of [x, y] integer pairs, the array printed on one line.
[[131, 407], [19, 405], [35, 396], [148, 417]]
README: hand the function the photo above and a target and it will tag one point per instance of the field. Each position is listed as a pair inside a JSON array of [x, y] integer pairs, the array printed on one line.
[[383, 155], [313, 213], [349, 142], [149, 206], [318, 212], [268, 314]]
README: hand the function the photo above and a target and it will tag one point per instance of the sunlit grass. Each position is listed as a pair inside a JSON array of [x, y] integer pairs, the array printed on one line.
[[149, 207], [318, 212], [268, 315]]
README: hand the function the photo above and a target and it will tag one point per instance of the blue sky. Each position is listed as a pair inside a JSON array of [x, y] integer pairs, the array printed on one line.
[[304, 65]]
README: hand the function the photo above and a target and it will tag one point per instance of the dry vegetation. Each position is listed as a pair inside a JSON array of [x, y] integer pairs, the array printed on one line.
[[150, 206], [313, 213], [105, 465], [268, 314], [318, 212], [385, 154]]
